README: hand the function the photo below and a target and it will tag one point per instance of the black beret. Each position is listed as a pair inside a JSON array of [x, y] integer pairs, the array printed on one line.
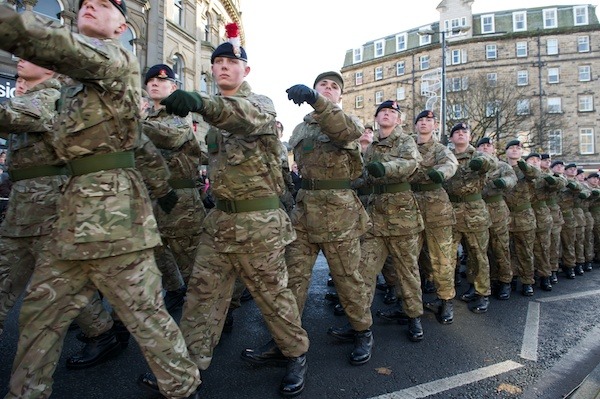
[[545, 156], [512, 142], [120, 4], [570, 165], [533, 154], [593, 174], [580, 171], [557, 162], [388, 104], [226, 50], [331, 75], [484, 140], [425, 114], [459, 126], [160, 71]]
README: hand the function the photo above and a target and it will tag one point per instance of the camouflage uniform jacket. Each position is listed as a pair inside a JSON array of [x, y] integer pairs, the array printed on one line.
[[580, 203], [552, 197], [153, 168], [32, 205], [541, 191], [498, 210], [287, 198], [436, 208], [566, 201], [470, 216], [108, 212], [522, 215], [180, 148], [394, 214], [244, 162], [325, 147], [594, 200]]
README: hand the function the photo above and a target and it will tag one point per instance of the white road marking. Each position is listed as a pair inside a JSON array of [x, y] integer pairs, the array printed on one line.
[[569, 296], [445, 384], [530, 335]]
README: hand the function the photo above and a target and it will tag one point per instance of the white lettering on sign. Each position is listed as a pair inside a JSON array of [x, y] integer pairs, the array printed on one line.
[[6, 90]]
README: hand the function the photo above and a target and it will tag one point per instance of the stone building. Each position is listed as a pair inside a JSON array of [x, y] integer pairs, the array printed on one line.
[[531, 73]]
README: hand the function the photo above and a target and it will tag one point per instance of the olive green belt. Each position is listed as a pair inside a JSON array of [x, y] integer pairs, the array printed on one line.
[[385, 188], [36, 171], [466, 198], [493, 199], [520, 207], [182, 183], [251, 205], [538, 204], [312, 184], [425, 187], [95, 163]]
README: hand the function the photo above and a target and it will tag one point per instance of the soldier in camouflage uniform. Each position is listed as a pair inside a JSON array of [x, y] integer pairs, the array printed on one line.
[[593, 180], [566, 199], [571, 172], [246, 233], [37, 175], [105, 231], [522, 218], [557, 219], [502, 179], [589, 221], [472, 217]]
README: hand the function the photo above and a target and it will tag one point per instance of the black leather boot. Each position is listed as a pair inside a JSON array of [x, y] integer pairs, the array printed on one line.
[[587, 267], [415, 329], [121, 333], [579, 269], [174, 299], [363, 345], [554, 278], [446, 315], [390, 296], [396, 314], [228, 325], [338, 310], [545, 284], [513, 284], [96, 350], [428, 287], [148, 382], [527, 290], [469, 295], [480, 304], [343, 334], [268, 354], [292, 383], [457, 279], [569, 272], [332, 297], [503, 291]]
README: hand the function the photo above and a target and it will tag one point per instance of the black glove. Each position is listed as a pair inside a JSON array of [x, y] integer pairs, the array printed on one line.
[[550, 180], [522, 165], [435, 175], [476, 164], [302, 94], [376, 169], [571, 185], [582, 195], [168, 201], [182, 102], [500, 183]]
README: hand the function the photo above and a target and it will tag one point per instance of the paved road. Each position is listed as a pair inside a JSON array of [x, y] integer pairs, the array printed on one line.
[[538, 347]]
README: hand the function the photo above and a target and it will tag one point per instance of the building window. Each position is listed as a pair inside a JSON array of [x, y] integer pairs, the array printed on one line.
[[523, 107], [48, 8], [519, 21], [554, 105], [357, 55], [550, 20], [522, 78], [424, 62], [379, 48], [424, 39], [553, 75], [127, 39], [178, 68], [400, 93], [585, 73], [586, 141], [425, 88], [457, 111], [580, 15], [358, 102], [378, 97], [401, 42], [178, 12], [358, 78], [583, 44], [492, 79], [456, 57], [207, 28], [521, 49], [400, 70], [455, 84], [586, 103], [491, 52], [552, 47], [555, 142], [379, 73], [487, 23]]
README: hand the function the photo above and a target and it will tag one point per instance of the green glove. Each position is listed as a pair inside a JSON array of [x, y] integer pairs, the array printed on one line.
[[550, 180], [182, 102], [571, 185], [522, 165], [435, 175], [595, 193], [499, 183], [376, 169], [582, 195], [476, 163]]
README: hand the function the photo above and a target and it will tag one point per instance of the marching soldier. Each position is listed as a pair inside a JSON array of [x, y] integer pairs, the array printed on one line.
[[589, 221], [566, 201], [557, 219], [582, 193]]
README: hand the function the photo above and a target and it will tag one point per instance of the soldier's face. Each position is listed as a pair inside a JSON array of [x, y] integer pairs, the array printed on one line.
[[487, 148], [580, 177], [559, 168], [425, 125], [29, 71], [21, 87], [388, 117], [514, 152], [100, 19], [535, 161], [593, 181], [229, 73], [571, 172], [460, 137], [159, 89], [330, 89], [366, 137], [545, 163]]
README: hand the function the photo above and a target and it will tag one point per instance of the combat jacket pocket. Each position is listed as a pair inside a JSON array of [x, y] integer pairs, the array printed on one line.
[[338, 212], [36, 202], [102, 208], [397, 213]]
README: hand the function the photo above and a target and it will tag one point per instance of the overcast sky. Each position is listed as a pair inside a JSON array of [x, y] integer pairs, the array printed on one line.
[[291, 42]]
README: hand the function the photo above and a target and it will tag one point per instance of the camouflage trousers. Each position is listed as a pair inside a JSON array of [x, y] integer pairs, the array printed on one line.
[[541, 252], [17, 260], [389, 272], [478, 265], [596, 216], [579, 244], [95, 319], [171, 275], [209, 295], [60, 289], [183, 250], [555, 247], [238, 291], [589, 238], [567, 246], [438, 259], [404, 251], [521, 249], [343, 259], [499, 253]]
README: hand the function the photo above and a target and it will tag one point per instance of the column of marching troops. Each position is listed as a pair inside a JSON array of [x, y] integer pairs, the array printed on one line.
[[101, 180]]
